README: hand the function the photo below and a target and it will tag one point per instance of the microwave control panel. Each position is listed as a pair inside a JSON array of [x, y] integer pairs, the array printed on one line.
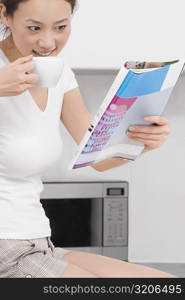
[[115, 220]]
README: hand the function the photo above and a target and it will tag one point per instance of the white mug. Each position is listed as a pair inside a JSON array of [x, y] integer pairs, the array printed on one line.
[[49, 70]]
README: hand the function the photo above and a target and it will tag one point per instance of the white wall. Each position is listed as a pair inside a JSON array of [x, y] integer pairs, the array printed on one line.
[[108, 32], [157, 199]]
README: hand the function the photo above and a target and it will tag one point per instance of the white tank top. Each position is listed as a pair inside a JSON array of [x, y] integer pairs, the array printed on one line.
[[30, 142]]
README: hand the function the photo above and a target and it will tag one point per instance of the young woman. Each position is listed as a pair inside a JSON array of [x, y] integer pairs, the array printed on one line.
[[30, 142]]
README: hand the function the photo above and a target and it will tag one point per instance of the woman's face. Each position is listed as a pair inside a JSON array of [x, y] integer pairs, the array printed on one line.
[[41, 28]]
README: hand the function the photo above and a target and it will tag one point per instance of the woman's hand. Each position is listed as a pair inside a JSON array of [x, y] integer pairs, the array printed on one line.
[[15, 78], [153, 136]]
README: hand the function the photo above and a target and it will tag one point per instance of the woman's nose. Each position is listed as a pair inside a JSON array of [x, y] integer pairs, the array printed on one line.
[[47, 42]]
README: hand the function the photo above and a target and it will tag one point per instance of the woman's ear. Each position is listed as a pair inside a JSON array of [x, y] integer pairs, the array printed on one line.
[[3, 15]]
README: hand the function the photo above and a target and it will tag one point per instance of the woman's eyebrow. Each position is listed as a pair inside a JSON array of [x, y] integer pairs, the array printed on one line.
[[34, 21]]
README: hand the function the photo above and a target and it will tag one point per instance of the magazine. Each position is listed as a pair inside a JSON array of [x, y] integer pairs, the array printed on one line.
[[140, 89]]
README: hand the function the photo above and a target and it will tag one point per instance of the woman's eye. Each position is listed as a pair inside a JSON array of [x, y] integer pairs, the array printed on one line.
[[62, 27], [34, 28]]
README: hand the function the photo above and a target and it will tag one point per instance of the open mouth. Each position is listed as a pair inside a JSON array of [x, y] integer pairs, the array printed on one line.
[[42, 53]]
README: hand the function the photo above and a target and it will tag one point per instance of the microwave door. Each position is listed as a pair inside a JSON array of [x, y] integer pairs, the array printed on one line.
[[75, 222]]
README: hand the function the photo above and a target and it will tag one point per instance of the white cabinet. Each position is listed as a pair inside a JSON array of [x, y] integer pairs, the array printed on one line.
[[107, 32]]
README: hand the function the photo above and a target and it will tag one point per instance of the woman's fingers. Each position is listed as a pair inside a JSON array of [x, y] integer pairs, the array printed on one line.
[[150, 145], [161, 126], [23, 60], [31, 78], [151, 129], [153, 136], [147, 136], [154, 64], [159, 120], [20, 62]]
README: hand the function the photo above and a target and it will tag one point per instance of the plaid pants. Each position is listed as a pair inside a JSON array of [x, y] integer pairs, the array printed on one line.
[[35, 258]]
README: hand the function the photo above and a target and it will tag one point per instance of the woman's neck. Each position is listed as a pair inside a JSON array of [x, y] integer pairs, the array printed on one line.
[[9, 49]]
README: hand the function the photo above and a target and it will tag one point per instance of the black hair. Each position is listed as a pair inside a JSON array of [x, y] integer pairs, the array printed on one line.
[[12, 5]]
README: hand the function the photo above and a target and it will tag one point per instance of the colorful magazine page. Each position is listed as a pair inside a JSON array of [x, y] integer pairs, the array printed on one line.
[[134, 94]]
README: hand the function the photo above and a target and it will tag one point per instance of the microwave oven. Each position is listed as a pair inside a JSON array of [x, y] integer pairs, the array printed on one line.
[[88, 216]]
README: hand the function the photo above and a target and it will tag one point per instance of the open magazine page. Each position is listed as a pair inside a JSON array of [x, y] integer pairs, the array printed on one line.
[[135, 93]]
